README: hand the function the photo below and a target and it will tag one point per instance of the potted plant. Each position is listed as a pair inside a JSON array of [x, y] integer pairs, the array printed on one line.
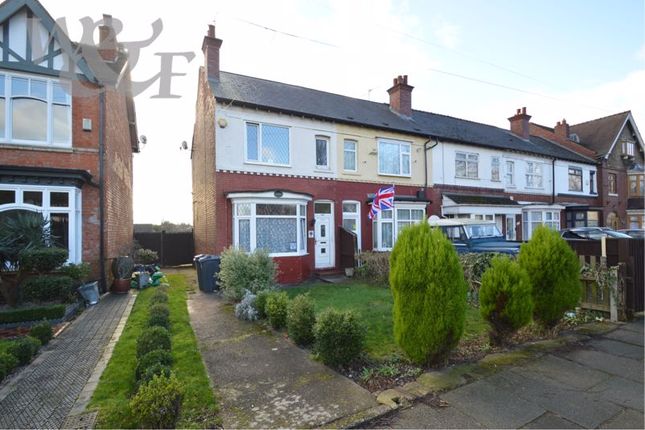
[[122, 270]]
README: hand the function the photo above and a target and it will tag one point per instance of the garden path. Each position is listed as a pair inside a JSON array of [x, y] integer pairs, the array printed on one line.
[[42, 394]]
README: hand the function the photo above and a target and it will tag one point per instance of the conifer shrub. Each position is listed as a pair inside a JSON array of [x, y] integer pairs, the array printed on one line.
[[159, 356], [276, 309], [505, 298], [156, 404], [339, 337], [153, 338], [245, 310], [301, 319], [554, 272], [42, 331], [429, 292]]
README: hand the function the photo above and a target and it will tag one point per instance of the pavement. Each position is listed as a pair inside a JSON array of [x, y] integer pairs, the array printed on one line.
[[43, 393], [598, 384], [262, 380]]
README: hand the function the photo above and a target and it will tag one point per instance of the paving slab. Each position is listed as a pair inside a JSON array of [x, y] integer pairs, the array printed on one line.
[[492, 407], [626, 419], [262, 379], [617, 347], [42, 394], [637, 325], [622, 392], [624, 334], [551, 421], [609, 363], [567, 372], [429, 417]]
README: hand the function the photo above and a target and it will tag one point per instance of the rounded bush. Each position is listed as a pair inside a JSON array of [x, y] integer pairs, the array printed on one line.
[[554, 272], [160, 309], [339, 337], [429, 292], [245, 310], [505, 298], [158, 297], [47, 288], [7, 363], [156, 369], [240, 271], [157, 403], [301, 319], [43, 260], [153, 338], [24, 349], [261, 303], [159, 356], [42, 331], [276, 309], [159, 315]]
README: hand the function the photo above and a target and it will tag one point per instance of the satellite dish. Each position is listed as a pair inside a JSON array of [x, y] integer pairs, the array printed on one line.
[[184, 145], [143, 139]]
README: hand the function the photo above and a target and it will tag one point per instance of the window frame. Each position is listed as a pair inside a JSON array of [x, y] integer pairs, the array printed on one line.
[[612, 179], [260, 126], [510, 174], [495, 165], [467, 161], [356, 216], [355, 155], [576, 172], [534, 170], [6, 137], [378, 221], [547, 216], [327, 141], [401, 144], [638, 179]]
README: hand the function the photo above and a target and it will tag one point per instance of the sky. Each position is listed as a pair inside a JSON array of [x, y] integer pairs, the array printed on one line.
[[472, 59]]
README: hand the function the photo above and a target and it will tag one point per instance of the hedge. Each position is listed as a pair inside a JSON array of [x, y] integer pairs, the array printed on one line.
[[32, 314]]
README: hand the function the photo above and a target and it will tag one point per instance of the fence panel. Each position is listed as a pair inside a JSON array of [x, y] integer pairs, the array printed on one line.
[[174, 249]]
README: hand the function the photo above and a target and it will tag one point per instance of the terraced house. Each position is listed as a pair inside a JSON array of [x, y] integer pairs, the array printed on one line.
[[67, 132], [284, 168]]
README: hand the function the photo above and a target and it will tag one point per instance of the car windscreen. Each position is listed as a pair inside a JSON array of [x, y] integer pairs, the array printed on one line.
[[479, 231]]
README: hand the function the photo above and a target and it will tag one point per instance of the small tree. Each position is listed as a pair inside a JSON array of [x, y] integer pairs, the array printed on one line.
[[429, 292], [554, 272], [240, 271], [505, 298]]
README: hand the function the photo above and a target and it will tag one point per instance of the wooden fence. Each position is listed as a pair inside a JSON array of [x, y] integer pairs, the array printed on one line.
[[174, 249]]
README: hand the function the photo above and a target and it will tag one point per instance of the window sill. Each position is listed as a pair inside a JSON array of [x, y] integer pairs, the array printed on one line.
[[394, 175], [36, 147], [259, 163], [612, 195], [288, 254], [351, 172], [466, 177], [322, 170]]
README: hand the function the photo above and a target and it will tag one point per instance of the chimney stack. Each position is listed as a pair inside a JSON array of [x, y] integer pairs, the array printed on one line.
[[211, 47], [401, 96], [520, 123], [562, 129], [108, 47]]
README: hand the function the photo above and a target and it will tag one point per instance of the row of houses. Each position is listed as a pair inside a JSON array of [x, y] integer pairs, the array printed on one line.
[[282, 167]]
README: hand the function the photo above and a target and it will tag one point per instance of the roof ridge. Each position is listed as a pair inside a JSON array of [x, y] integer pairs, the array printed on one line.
[[601, 118], [553, 142]]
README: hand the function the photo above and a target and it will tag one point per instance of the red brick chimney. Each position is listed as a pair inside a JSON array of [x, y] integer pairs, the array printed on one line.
[[562, 129], [108, 47], [401, 96], [210, 47], [520, 123]]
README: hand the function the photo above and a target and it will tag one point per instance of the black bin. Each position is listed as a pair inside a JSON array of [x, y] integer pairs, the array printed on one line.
[[207, 269], [197, 269]]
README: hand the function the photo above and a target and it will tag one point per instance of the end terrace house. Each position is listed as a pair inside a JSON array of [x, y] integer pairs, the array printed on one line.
[[67, 133], [283, 168]]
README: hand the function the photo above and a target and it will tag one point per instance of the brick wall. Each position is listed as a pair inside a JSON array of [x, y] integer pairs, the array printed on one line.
[[203, 169]]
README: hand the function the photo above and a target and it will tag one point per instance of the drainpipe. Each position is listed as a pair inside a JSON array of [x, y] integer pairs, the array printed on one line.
[[553, 181], [102, 186], [426, 148]]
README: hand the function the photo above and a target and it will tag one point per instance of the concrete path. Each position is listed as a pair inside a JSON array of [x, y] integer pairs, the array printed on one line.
[[599, 385], [42, 394], [265, 381]]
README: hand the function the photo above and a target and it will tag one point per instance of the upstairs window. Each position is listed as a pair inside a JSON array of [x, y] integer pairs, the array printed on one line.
[[534, 175], [268, 144], [612, 183], [322, 152], [494, 169], [466, 165], [636, 185], [393, 158], [592, 182], [575, 179], [628, 148], [35, 111], [510, 173], [350, 161]]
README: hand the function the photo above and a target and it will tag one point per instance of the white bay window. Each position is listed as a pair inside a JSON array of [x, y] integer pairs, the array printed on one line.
[[534, 217], [387, 225]]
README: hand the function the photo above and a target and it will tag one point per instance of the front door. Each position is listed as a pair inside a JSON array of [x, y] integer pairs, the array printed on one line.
[[324, 235]]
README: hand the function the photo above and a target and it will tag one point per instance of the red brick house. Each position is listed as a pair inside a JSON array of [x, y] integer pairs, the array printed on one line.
[[67, 133]]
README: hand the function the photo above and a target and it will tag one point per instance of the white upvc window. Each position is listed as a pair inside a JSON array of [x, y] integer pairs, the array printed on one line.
[[510, 173], [387, 225], [352, 219], [267, 144], [494, 169], [575, 179], [534, 177], [60, 205], [276, 225], [466, 165], [322, 152], [532, 218], [394, 158], [350, 155], [35, 110]]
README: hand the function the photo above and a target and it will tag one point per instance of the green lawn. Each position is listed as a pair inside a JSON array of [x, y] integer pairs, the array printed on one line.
[[374, 306], [117, 384]]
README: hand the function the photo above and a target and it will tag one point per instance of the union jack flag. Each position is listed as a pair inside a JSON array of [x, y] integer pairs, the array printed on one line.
[[383, 200]]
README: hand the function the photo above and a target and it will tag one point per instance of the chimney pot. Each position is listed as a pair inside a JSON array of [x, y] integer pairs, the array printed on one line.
[[211, 46], [520, 123], [107, 39], [211, 30], [401, 96]]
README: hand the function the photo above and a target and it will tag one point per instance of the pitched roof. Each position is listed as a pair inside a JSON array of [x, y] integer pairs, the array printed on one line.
[[255, 92], [599, 134]]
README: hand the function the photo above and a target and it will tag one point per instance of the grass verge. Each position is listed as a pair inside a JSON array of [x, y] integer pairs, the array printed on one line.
[[117, 384]]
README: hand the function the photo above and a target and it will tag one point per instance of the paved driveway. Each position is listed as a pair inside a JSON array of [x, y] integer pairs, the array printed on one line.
[[597, 385], [263, 380]]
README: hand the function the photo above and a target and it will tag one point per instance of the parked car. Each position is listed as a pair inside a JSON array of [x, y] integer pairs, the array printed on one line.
[[634, 233], [593, 233], [470, 235]]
